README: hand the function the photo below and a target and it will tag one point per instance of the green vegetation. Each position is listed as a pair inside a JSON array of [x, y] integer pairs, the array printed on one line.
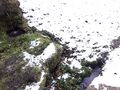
[[75, 77], [10, 46], [15, 75], [44, 42]]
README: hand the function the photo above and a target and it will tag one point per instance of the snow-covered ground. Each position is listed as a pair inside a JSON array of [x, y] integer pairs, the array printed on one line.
[[111, 74], [39, 59], [36, 86], [86, 24]]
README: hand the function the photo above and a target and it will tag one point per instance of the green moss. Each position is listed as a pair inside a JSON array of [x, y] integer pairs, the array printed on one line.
[[51, 67], [69, 83], [44, 42], [55, 59], [72, 81], [12, 74], [14, 46], [10, 46], [86, 71], [2, 83], [42, 84], [14, 77]]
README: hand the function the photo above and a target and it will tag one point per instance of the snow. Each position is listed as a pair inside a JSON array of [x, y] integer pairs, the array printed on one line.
[[66, 18], [111, 74], [52, 88], [39, 59], [42, 76], [36, 86], [49, 51], [65, 76], [75, 64], [104, 88], [34, 43]]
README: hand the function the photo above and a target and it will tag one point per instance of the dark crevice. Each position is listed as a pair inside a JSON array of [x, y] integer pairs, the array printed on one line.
[[15, 31]]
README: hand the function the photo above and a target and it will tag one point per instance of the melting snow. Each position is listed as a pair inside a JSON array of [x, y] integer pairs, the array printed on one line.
[[66, 75], [111, 74], [52, 88], [75, 64], [36, 86], [89, 21], [49, 51], [38, 60], [34, 43], [105, 88]]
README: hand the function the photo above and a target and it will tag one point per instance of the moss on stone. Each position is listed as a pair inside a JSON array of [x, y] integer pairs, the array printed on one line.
[[44, 42], [55, 59], [14, 75], [10, 46], [51, 68]]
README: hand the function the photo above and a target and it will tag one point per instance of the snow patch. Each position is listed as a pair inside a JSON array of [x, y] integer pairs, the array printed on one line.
[[105, 88], [34, 43], [49, 51], [103, 25], [65, 76], [36, 86], [76, 64], [38, 60], [52, 88], [111, 73]]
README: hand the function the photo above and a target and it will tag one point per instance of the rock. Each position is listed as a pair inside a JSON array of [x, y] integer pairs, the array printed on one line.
[[103, 87], [16, 31], [15, 38]]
